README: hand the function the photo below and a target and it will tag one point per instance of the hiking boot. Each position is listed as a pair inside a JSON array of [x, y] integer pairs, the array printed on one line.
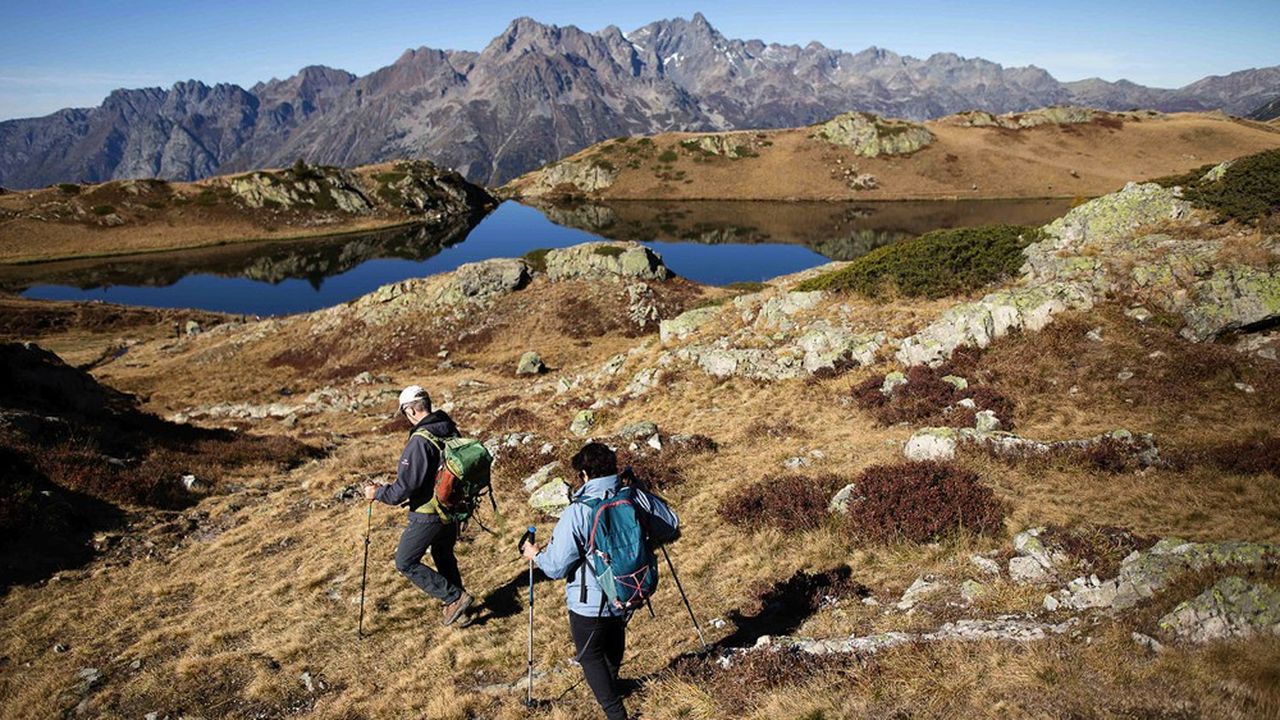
[[455, 609]]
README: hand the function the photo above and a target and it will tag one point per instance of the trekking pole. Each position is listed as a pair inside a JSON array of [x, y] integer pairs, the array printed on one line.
[[528, 537], [684, 597], [364, 572]]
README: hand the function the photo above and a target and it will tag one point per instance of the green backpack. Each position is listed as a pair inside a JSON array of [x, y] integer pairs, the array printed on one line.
[[462, 478]]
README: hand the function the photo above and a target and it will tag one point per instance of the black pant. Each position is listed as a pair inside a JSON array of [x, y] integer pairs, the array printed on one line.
[[600, 642], [423, 532]]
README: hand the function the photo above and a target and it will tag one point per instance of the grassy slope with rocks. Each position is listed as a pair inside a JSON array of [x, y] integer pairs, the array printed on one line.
[[135, 216], [251, 611], [1049, 154]]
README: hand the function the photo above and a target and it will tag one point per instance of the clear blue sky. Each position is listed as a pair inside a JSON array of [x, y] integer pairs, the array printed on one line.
[[56, 54]]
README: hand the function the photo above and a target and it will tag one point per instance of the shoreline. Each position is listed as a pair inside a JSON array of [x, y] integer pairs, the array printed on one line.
[[27, 261]]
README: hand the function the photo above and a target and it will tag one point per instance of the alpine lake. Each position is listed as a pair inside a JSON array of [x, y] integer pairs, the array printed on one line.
[[712, 242]]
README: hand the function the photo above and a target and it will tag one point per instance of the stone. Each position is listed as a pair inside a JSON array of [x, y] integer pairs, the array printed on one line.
[[1114, 215], [1233, 607], [643, 428], [364, 378], [971, 590], [551, 498], [1124, 375], [192, 484], [892, 381], [985, 564], [986, 421], [1140, 314], [1094, 335], [307, 682], [606, 260], [530, 364], [583, 423], [795, 463], [938, 444], [1244, 387], [193, 328], [956, 381], [685, 324], [871, 136], [1027, 571], [920, 589], [541, 476], [574, 176], [1028, 543], [827, 347], [1147, 642], [839, 504]]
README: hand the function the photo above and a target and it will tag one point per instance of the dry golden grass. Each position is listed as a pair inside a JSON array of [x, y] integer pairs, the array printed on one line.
[[225, 625], [1047, 161]]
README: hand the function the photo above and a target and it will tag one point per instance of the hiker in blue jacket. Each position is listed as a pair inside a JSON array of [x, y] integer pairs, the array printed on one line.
[[598, 628]]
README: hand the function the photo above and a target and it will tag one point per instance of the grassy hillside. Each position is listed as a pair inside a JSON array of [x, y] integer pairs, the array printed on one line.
[[970, 156], [133, 216], [246, 606]]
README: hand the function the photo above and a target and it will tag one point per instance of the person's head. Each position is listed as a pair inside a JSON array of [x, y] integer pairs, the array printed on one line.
[[594, 460], [415, 404]]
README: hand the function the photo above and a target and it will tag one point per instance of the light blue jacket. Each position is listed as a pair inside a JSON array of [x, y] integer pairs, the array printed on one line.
[[563, 555]]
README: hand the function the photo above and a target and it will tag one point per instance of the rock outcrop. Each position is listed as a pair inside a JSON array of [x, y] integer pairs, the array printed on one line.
[[1232, 608], [574, 177], [872, 136], [316, 188], [606, 260]]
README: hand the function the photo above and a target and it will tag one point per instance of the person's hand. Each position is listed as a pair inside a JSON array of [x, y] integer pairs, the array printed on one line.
[[370, 491], [529, 551]]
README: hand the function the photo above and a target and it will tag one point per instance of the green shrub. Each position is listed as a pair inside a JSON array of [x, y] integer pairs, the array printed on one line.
[[69, 188], [207, 196], [387, 178], [537, 259], [936, 264], [103, 209], [668, 156], [602, 164], [608, 250], [747, 286], [1247, 192]]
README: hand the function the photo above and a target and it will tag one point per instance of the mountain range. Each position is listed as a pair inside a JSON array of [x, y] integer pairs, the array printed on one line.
[[539, 92]]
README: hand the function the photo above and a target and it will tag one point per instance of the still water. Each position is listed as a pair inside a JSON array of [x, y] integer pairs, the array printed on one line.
[[707, 241]]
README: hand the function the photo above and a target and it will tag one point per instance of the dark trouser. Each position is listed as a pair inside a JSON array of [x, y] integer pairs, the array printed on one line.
[[600, 643], [428, 531]]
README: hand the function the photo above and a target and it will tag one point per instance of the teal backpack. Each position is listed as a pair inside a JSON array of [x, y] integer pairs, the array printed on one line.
[[617, 551]]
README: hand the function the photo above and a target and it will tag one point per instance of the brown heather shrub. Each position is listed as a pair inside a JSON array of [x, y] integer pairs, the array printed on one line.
[[655, 471], [926, 397], [790, 503], [1101, 546], [516, 420], [921, 502]]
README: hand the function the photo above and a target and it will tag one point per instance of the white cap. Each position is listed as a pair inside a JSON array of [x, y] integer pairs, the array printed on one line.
[[409, 394]]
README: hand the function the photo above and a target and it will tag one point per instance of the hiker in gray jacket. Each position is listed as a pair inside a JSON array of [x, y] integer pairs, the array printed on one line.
[[598, 628], [415, 487]]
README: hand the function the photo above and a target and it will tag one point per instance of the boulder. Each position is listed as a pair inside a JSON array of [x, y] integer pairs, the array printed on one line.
[[1232, 298], [872, 136], [920, 589], [530, 364], [937, 444], [575, 177], [892, 381], [828, 347], [583, 423], [971, 590], [1233, 607], [551, 498], [685, 324], [839, 504], [606, 260], [1026, 570], [635, 430], [541, 476]]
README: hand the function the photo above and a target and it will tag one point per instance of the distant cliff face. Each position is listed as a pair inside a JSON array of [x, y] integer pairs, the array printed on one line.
[[537, 93]]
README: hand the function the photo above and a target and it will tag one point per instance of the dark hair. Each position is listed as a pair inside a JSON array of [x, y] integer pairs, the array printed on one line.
[[422, 404], [596, 460]]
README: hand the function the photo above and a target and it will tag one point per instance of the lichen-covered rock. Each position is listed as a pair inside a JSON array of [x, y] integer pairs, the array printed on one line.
[[640, 429], [606, 260], [472, 283], [583, 423], [978, 324], [776, 312], [551, 498], [872, 136], [839, 504], [920, 589], [1217, 172], [723, 145], [685, 324], [1231, 298], [827, 347], [1144, 573], [1025, 570], [937, 444], [1234, 607], [541, 476], [323, 189], [575, 176], [530, 364]]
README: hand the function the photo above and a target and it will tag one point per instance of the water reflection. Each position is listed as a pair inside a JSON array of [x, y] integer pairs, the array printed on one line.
[[838, 231], [713, 242]]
